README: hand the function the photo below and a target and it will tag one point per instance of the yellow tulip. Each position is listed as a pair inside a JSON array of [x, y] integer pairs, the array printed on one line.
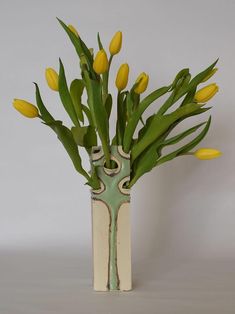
[[25, 108], [142, 81], [101, 64], [116, 43], [210, 75], [206, 93], [122, 76], [52, 79], [207, 153], [73, 29]]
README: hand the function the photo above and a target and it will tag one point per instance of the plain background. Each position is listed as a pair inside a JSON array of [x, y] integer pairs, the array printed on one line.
[[183, 215]]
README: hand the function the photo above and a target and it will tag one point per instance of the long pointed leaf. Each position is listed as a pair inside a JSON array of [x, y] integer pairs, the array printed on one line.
[[186, 148], [135, 117], [179, 137], [46, 116], [98, 112], [159, 125], [65, 96], [76, 90], [66, 138], [80, 47]]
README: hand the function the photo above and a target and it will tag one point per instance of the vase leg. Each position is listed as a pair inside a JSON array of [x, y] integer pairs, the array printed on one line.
[[124, 247], [100, 239]]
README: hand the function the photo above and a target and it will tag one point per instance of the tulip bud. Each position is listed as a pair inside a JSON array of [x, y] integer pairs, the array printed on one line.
[[25, 108], [206, 93], [52, 79], [209, 75], [73, 29], [101, 64], [142, 81], [122, 76], [116, 43], [207, 153]]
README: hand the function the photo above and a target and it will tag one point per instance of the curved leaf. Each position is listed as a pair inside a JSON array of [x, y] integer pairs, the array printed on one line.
[[46, 116], [76, 90], [179, 137], [66, 138], [80, 47], [186, 148], [65, 96], [159, 125], [135, 117]]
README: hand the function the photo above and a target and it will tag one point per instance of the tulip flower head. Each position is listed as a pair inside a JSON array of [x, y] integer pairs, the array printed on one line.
[[206, 93], [52, 79], [142, 81], [122, 77], [116, 43], [73, 29], [25, 108], [207, 153], [101, 63]]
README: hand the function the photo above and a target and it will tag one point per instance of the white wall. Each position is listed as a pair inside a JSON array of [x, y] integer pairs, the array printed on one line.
[[184, 208]]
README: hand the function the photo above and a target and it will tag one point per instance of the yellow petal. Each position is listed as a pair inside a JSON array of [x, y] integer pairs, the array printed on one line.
[[122, 77], [25, 108], [52, 79], [101, 64], [142, 81], [206, 93], [207, 153], [116, 43]]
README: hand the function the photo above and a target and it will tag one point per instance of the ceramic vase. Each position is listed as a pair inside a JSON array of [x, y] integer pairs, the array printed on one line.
[[111, 222]]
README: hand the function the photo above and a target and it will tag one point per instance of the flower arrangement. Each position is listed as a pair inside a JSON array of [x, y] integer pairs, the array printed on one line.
[[147, 149], [118, 162]]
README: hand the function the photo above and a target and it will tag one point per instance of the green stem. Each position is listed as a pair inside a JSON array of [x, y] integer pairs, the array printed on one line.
[[105, 78]]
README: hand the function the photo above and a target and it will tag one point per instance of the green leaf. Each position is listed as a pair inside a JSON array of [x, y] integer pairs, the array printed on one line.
[[79, 46], [175, 139], [178, 79], [159, 125], [78, 134], [88, 114], [94, 181], [108, 104], [189, 97], [145, 163], [148, 159], [195, 81], [65, 96], [186, 148], [76, 90], [98, 112], [167, 104], [164, 135], [90, 138], [99, 42], [46, 116], [121, 117], [114, 140], [84, 136], [66, 138], [135, 117]]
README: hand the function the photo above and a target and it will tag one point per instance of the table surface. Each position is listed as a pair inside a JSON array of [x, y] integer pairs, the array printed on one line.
[[57, 281]]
